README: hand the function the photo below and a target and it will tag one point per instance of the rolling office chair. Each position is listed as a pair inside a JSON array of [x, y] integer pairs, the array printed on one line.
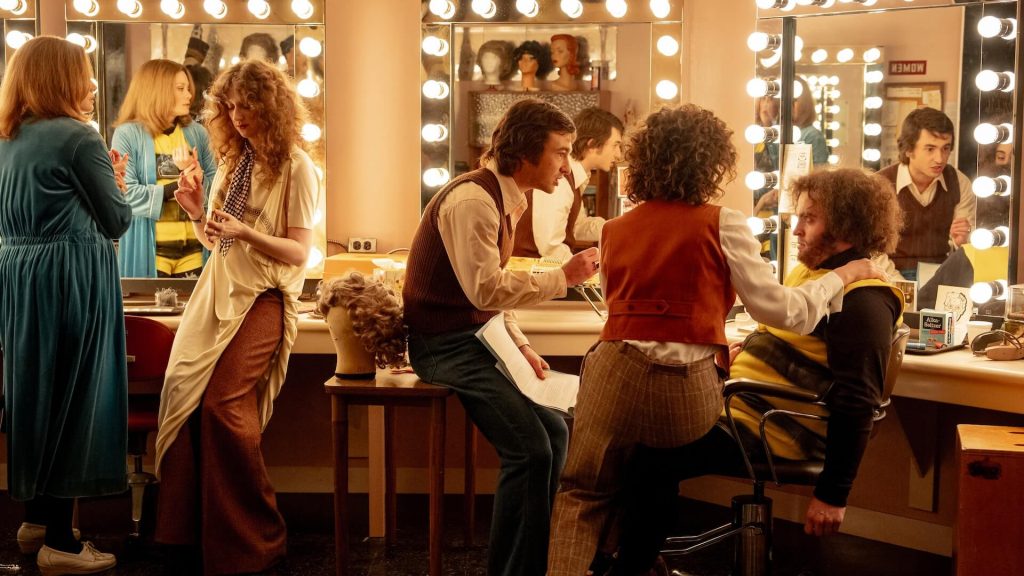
[[148, 347], [752, 513]]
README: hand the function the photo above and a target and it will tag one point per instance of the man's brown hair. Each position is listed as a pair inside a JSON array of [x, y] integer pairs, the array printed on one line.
[[593, 129], [858, 207], [522, 132], [928, 119]]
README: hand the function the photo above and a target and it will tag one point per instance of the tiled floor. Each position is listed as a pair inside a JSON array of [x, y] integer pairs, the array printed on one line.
[[311, 545]]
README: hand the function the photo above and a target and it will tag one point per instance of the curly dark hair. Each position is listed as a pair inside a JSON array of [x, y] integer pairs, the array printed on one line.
[[680, 154], [859, 207], [376, 315], [522, 132], [540, 52], [930, 119]]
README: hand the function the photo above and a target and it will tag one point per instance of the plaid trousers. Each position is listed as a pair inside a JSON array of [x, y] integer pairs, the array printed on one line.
[[625, 400]]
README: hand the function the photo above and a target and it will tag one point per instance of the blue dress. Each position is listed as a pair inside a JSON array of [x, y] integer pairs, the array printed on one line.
[[61, 317]]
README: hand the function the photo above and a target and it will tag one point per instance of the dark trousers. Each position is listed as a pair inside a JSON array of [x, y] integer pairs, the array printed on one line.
[[530, 440], [215, 489]]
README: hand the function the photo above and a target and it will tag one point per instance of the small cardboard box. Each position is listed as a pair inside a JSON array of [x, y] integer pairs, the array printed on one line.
[[936, 328]]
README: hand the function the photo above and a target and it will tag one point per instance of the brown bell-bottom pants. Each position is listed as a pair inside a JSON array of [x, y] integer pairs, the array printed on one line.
[[214, 489]]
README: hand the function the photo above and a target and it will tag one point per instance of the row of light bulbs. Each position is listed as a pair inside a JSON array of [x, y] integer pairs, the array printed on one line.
[[302, 9], [762, 41], [446, 9], [787, 5]]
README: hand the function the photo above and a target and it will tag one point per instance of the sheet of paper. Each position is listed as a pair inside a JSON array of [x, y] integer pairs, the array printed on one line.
[[557, 390], [957, 300]]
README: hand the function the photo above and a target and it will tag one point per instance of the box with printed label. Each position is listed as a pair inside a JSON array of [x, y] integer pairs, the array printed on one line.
[[936, 328]]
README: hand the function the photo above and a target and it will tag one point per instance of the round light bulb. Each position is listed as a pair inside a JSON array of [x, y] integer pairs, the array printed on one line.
[[873, 102], [308, 88], [872, 129], [310, 47], [87, 7], [845, 55], [435, 46], [982, 292], [990, 27], [259, 8], [771, 59], [617, 8], [8, 5], [302, 8], [987, 80], [434, 177], [16, 39], [76, 39], [983, 186], [216, 8], [872, 55], [874, 77], [435, 89], [765, 4], [755, 134], [819, 55], [668, 46], [757, 88], [833, 159], [756, 225], [528, 8], [832, 142], [442, 8], [756, 180], [666, 90], [485, 8], [130, 8], [311, 132], [986, 133], [757, 41], [572, 8], [798, 89], [983, 239], [872, 155], [434, 132], [172, 8], [660, 8]]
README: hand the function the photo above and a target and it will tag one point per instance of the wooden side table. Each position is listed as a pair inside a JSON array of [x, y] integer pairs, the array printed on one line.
[[389, 391]]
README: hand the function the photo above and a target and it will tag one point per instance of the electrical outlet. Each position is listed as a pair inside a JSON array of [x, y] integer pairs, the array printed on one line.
[[362, 244]]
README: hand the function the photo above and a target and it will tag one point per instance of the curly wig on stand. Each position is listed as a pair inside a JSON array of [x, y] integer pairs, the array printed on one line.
[[376, 315]]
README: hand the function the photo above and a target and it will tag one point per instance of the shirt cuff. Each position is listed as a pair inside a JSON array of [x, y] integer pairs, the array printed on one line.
[[512, 326], [835, 287]]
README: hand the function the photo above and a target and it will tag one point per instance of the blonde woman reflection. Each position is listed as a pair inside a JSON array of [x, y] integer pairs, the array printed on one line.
[[61, 325], [231, 350], [156, 131]]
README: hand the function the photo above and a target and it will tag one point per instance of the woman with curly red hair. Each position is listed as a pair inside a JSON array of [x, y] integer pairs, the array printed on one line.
[[231, 351], [652, 379]]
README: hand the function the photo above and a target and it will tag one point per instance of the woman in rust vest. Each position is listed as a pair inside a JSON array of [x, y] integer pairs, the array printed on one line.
[[652, 379]]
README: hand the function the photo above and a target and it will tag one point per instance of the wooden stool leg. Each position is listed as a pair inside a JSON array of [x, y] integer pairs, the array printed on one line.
[[339, 427], [469, 490], [437, 429], [390, 492]]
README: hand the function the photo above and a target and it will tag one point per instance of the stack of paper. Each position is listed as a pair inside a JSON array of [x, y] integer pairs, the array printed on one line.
[[557, 390]]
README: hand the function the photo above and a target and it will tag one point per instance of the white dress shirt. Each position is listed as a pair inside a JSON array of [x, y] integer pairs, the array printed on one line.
[[551, 213]]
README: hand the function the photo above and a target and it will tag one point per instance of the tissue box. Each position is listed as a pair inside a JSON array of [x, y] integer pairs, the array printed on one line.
[[936, 329]]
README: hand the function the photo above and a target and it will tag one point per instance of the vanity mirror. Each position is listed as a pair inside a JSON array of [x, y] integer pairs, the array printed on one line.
[[885, 61], [479, 57], [206, 36]]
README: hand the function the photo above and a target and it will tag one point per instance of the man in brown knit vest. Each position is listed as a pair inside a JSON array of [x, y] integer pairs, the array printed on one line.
[[456, 280], [938, 205], [554, 223]]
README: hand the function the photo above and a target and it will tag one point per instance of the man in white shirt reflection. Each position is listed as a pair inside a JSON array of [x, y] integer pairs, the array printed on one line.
[[555, 222], [939, 208]]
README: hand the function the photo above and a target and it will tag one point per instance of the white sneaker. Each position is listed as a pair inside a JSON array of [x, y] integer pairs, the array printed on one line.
[[89, 561], [31, 537]]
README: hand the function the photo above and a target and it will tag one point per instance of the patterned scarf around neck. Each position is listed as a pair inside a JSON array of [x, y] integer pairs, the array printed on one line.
[[238, 191]]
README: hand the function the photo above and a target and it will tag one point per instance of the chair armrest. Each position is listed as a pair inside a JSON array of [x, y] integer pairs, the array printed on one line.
[[761, 388]]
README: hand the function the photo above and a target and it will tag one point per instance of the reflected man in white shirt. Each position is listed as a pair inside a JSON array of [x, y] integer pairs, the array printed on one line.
[[939, 208], [554, 223]]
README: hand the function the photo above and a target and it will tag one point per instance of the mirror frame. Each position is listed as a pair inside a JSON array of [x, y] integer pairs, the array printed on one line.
[[438, 171], [22, 21], [789, 12], [280, 14]]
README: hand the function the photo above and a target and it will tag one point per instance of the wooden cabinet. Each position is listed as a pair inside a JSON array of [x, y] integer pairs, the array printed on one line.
[[989, 532]]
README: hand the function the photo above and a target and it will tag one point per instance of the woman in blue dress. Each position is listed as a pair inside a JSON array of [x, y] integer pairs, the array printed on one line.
[[61, 320]]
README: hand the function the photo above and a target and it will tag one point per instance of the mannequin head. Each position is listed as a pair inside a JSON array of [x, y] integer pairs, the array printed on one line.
[[564, 49], [365, 319], [533, 60], [495, 60]]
